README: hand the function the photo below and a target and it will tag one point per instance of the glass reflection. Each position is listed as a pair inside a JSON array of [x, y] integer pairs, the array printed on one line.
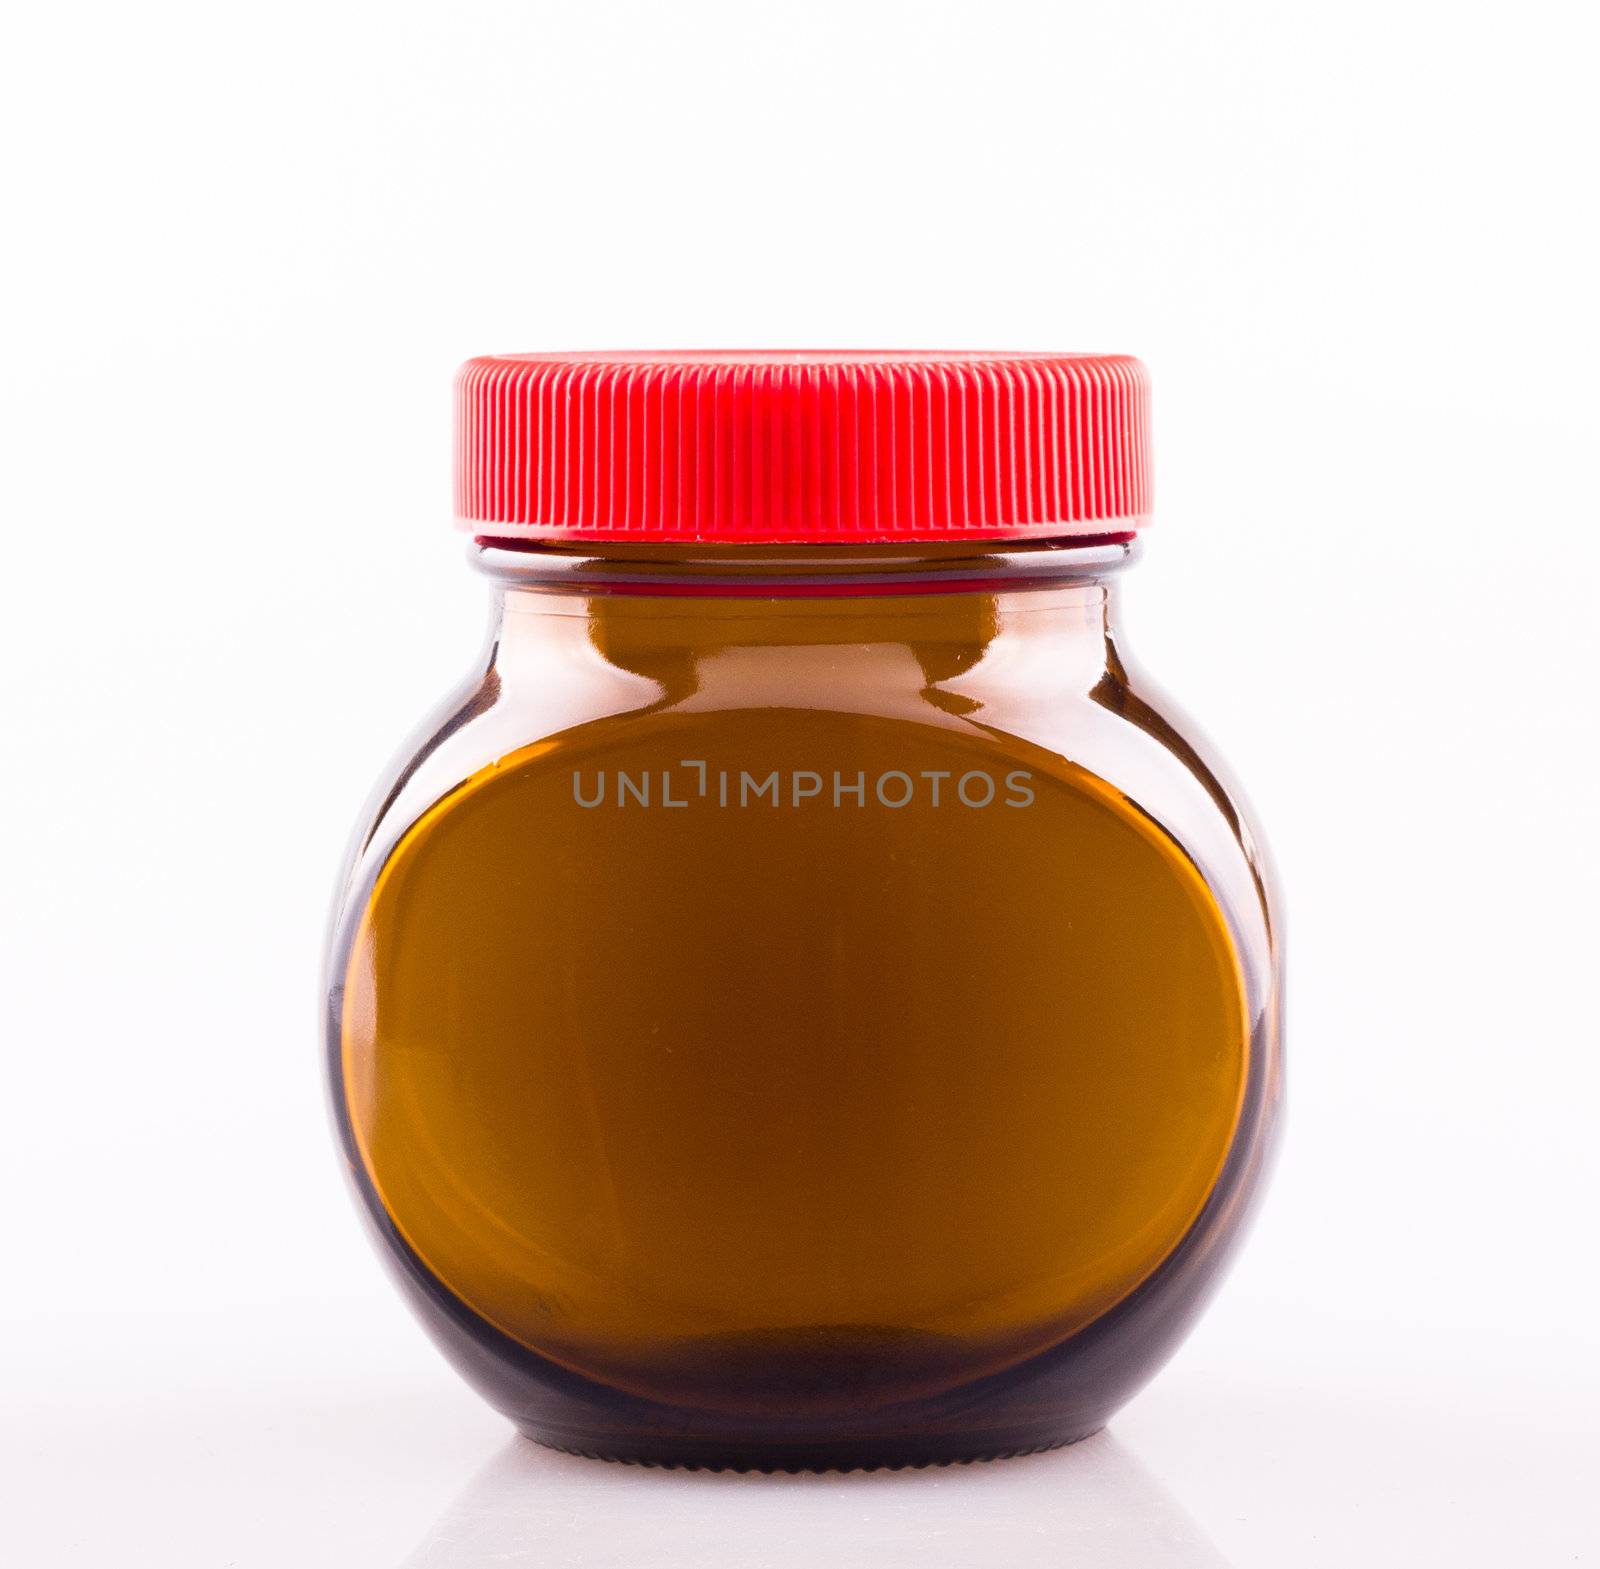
[[1092, 1506]]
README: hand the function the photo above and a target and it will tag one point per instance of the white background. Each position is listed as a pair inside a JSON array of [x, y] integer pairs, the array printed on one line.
[[246, 247]]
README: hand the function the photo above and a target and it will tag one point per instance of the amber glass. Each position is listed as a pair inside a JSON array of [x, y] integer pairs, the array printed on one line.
[[804, 1010]]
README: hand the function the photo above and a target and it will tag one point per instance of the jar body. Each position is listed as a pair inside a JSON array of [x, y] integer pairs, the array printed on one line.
[[804, 1016]]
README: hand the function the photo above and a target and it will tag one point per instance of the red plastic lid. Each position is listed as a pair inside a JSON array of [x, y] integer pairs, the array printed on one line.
[[803, 446]]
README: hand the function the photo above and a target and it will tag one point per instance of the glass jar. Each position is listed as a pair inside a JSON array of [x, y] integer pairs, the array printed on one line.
[[805, 1000]]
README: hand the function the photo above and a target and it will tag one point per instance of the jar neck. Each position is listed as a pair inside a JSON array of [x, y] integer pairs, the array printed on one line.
[[800, 571], [1043, 615]]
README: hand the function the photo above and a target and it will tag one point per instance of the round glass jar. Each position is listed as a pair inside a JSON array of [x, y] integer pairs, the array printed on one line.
[[805, 1000]]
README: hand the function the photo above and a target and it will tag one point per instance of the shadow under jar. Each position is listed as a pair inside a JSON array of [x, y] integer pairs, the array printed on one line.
[[805, 1001]]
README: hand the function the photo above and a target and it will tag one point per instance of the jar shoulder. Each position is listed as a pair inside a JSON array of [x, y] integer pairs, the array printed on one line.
[[1119, 727]]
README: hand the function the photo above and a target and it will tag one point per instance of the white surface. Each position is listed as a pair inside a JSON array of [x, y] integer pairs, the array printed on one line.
[[246, 248], [257, 1442]]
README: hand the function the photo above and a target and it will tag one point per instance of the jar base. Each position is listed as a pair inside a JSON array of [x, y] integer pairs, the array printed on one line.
[[792, 1460]]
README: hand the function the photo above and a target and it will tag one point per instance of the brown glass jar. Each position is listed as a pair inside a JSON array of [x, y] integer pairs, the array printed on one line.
[[804, 1001]]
